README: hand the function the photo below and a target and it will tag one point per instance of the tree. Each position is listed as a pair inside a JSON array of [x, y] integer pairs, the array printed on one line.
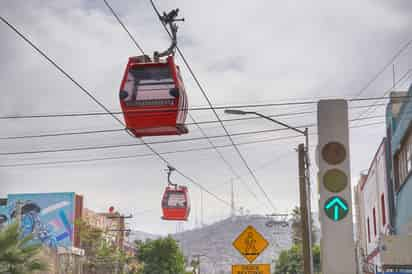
[[17, 255], [291, 261], [101, 255], [297, 227], [161, 256]]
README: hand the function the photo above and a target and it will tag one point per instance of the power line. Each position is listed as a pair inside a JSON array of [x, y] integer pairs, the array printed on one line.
[[164, 153], [172, 152], [375, 105], [379, 73], [147, 143], [168, 141], [37, 49], [219, 153], [86, 132], [287, 114], [81, 114]]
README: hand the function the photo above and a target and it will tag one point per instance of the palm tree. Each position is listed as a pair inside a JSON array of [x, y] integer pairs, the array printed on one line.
[[17, 256]]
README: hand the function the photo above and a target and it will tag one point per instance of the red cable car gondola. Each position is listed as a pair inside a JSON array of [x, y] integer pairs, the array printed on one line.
[[153, 98], [175, 201], [152, 94]]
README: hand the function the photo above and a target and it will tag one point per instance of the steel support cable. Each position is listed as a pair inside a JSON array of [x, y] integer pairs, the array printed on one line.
[[255, 179], [219, 153], [194, 121], [173, 37], [94, 99], [172, 152], [124, 27], [60, 69]]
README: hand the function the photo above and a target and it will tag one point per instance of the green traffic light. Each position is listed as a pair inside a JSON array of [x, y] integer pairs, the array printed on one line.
[[336, 208]]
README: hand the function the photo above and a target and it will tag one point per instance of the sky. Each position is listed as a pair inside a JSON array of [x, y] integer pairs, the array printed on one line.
[[243, 52]]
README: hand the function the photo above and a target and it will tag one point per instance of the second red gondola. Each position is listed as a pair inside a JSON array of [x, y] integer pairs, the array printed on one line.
[[153, 97], [175, 203]]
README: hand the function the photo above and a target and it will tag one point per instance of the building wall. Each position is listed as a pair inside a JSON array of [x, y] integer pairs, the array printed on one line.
[[49, 217], [374, 207], [400, 128]]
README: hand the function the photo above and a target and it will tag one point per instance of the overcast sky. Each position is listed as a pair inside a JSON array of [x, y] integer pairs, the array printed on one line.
[[242, 51]]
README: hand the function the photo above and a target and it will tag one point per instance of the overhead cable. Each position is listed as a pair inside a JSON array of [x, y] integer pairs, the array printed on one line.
[[94, 99], [266, 140]]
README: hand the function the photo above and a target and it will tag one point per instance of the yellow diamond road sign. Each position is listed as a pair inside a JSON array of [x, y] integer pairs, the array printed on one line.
[[250, 243], [251, 269]]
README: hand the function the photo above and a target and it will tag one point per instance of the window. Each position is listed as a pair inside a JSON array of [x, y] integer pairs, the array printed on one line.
[[374, 221], [403, 162], [396, 171], [176, 199], [149, 86], [369, 231], [383, 209], [408, 158]]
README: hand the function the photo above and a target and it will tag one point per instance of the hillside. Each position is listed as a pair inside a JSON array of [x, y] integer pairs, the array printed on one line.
[[215, 242], [140, 235]]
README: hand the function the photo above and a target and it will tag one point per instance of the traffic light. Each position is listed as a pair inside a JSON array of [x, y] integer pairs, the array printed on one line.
[[335, 201]]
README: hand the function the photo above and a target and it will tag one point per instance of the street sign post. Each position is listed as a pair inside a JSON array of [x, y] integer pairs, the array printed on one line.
[[251, 269], [250, 243], [337, 244]]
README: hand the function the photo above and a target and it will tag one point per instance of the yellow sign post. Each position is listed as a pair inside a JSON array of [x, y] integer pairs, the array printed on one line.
[[251, 269], [250, 243]]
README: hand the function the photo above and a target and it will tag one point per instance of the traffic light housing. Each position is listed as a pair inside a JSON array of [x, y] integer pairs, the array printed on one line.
[[335, 201]]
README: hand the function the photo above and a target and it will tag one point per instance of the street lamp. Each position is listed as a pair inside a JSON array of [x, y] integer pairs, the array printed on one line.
[[304, 187]]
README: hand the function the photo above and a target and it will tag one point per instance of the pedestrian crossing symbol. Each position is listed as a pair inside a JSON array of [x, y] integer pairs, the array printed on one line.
[[250, 243]]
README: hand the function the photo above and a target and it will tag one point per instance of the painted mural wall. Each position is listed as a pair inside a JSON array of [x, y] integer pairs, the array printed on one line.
[[48, 216]]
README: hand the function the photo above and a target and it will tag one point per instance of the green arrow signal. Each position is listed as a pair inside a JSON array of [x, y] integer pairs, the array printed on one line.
[[336, 208]]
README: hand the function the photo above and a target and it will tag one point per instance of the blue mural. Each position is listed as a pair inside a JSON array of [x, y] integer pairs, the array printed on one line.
[[48, 216]]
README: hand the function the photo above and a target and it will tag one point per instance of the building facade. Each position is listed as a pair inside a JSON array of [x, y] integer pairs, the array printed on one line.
[[112, 224], [373, 212], [399, 133], [49, 217]]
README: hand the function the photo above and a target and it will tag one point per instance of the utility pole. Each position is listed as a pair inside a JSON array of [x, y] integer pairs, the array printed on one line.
[[198, 262], [201, 209], [232, 202], [120, 231], [305, 216], [19, 206]]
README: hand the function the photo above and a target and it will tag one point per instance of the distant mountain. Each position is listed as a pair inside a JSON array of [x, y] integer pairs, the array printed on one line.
[[214, 242], [140, 235]]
